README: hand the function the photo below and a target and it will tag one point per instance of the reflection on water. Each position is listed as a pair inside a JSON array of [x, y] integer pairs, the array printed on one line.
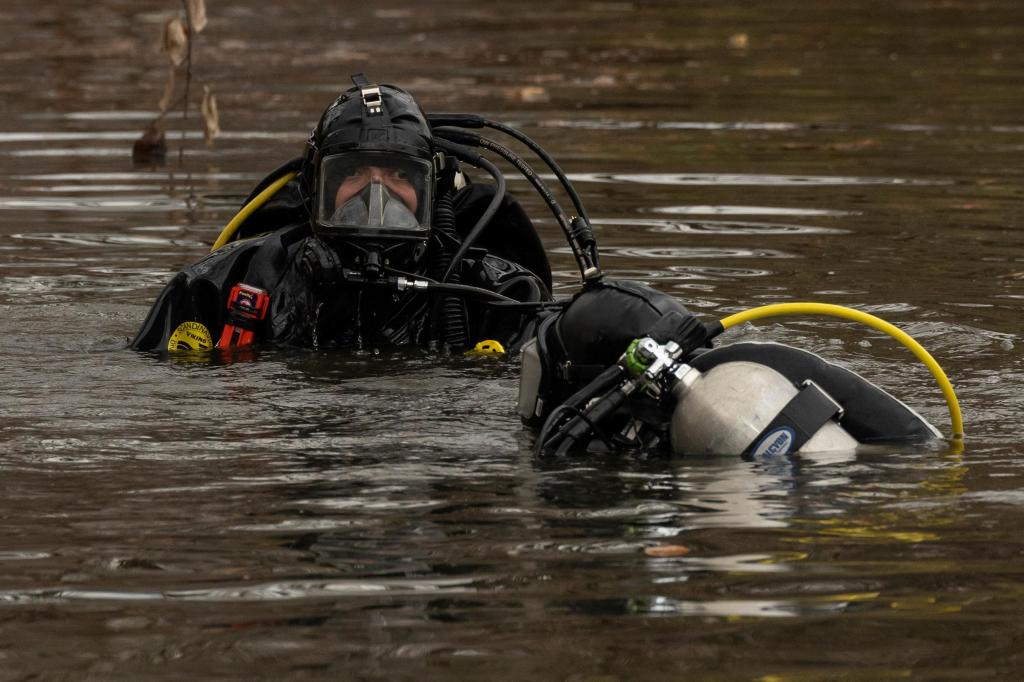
[[268, 592], [748, 211], [380, 515], [720, 227], [105, 239], [744, 179], [686, 253]]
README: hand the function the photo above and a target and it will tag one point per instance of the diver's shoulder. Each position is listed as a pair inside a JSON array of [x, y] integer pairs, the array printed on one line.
[[233, 254]]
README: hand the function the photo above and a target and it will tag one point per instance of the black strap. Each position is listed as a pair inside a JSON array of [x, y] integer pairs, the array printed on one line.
[[796, 423]]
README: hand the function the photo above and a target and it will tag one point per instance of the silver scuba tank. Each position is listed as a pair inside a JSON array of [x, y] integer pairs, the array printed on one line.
[[723, 411]]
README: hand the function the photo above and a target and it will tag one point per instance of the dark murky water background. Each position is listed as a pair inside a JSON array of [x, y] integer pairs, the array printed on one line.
[[313, 515]]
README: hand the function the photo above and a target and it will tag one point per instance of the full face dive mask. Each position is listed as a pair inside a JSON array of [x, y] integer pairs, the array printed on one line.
[[374, 194]]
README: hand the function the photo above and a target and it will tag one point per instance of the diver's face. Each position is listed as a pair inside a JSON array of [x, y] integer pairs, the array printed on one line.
[[396, 181]]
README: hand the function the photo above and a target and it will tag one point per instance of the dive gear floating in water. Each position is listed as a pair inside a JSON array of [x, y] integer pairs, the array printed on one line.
[[382, 240], [742, 404]]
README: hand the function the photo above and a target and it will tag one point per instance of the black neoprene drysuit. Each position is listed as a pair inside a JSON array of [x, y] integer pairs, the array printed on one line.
[[312, 305]]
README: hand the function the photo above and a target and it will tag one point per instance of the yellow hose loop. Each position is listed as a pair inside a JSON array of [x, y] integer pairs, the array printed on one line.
[[229, 230], [881, 325]]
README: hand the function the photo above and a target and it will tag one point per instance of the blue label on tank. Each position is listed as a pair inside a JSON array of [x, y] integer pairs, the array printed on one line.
[[776, 442]]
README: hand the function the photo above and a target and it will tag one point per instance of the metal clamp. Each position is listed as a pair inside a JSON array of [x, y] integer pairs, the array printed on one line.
[[372, 99], [839, 410]]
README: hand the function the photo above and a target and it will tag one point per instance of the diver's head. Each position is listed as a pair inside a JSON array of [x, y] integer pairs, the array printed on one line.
[[369, 171]]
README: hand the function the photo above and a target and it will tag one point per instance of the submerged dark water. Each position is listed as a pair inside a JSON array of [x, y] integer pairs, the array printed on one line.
[[381, 517]]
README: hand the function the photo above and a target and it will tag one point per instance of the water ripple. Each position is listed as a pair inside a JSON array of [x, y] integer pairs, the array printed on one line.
[[755, 608], [681, 252], [131, 135], [721, 227], [277, 591], [749, 210], [742, 179], [140, 175], [92, 204], [23, 556], [95, 239], [768, 126], [618, 124]]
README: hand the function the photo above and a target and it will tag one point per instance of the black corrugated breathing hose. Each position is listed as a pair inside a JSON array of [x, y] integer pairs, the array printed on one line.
[[451, 315]]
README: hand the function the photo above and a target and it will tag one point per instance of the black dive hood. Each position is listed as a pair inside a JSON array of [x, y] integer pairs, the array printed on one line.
[[374, 119]]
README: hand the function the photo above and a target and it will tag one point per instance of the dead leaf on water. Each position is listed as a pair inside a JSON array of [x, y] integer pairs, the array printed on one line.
[[739, 41], [211, 121], [853, 145], [175, 40], [663, 551], [533, 94], [197, 13], [850, 146]]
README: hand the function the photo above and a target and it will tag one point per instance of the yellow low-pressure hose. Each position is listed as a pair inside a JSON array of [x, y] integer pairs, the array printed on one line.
[[229, 230], [881, 325]]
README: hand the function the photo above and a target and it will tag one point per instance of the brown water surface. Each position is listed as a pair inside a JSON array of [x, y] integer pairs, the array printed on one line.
[[357, 517]]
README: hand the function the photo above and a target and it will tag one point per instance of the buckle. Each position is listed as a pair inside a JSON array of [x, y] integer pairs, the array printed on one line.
[[372, 99], [839, 410]]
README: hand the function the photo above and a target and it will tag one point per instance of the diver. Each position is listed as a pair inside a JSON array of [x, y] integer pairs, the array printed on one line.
[[372, 238], [378, 236]]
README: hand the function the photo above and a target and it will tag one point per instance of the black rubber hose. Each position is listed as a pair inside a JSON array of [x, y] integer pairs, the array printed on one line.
[[546, 158], [467, 138], [463, 154], [604, 382], [474, 121], [470, 291], [473, 139], [589, 420]]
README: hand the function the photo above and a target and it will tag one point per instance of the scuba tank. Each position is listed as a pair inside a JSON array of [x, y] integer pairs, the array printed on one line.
[[738, 407], [741, 407]]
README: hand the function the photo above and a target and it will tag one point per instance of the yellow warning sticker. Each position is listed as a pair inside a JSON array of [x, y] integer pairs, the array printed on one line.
[[190, 336]]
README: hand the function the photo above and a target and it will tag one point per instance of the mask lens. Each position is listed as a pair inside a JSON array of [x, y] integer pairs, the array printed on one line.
[[374, 192]]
